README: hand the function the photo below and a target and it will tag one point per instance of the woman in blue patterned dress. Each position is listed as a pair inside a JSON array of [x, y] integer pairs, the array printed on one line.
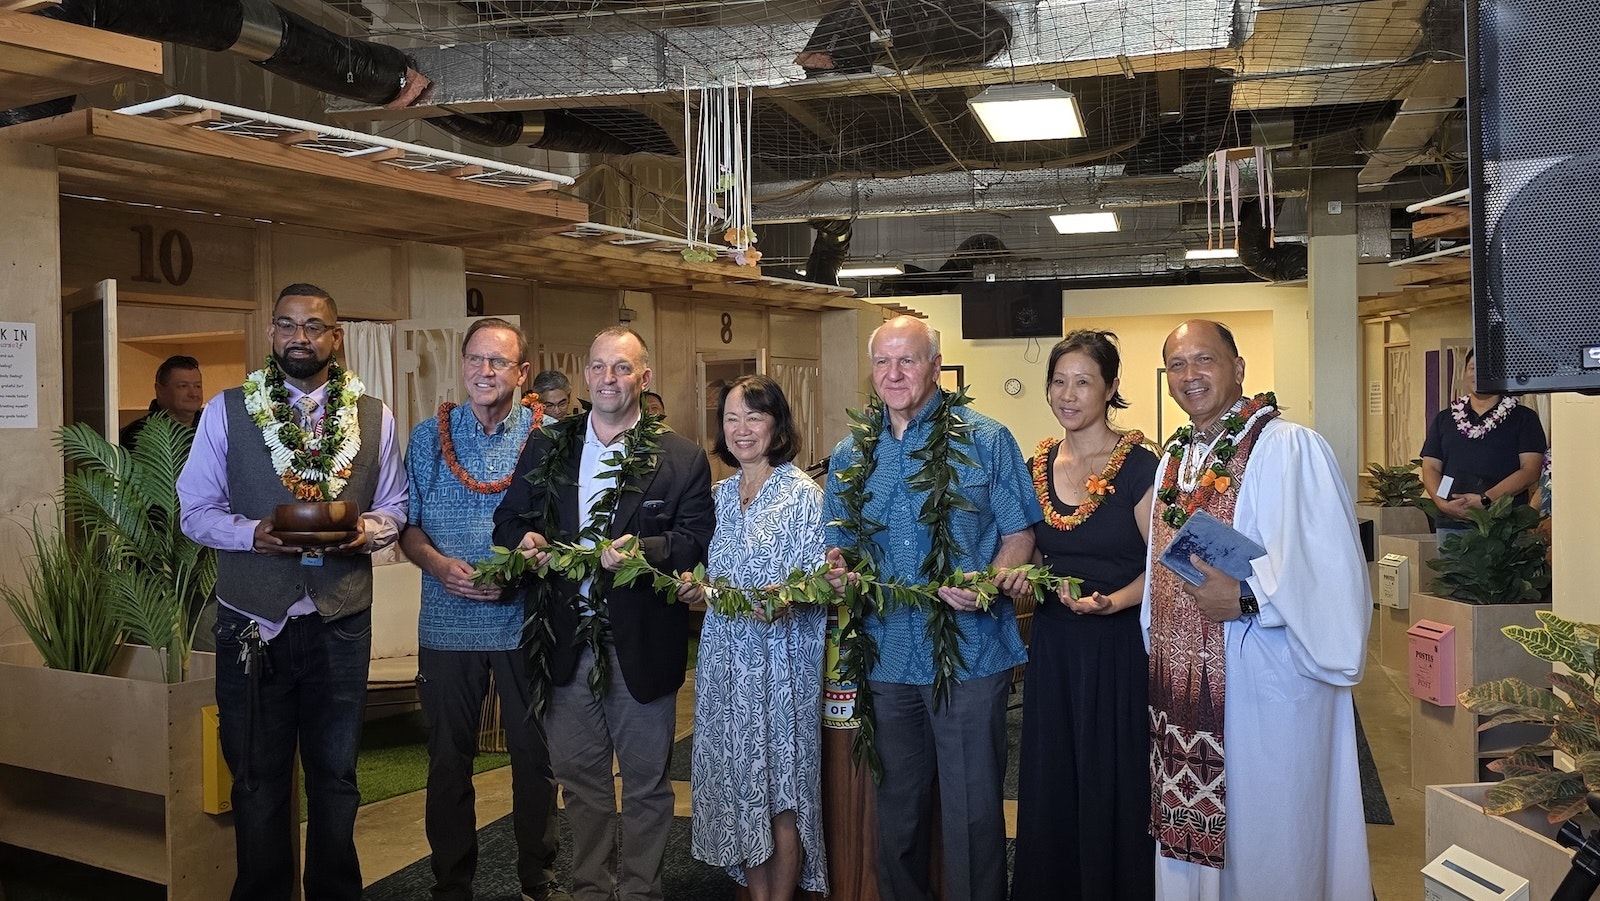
[[758, 685]]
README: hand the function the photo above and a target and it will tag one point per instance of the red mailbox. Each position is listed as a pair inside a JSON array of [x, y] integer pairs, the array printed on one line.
[[1433, 662]]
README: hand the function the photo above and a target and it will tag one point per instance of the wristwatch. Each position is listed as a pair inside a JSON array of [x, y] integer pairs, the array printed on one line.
[[1247, 601], [1484, 500]]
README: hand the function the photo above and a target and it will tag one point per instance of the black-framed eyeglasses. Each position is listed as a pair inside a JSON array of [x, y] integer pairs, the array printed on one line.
[[285, 327], [498, 364]]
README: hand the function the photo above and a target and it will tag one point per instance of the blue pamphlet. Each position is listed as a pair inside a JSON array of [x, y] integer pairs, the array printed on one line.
[[1213, 541]]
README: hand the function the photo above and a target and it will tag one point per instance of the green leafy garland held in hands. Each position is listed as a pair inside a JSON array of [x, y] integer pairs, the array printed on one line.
[[864, 595], [638, 458]]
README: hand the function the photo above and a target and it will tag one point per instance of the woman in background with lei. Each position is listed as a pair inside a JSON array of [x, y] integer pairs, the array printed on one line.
[[1083, 796]]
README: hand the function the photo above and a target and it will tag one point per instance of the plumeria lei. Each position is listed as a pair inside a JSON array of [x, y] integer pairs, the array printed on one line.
[[1187, 482], [1458, 412], [1096, 487], [313, 467]]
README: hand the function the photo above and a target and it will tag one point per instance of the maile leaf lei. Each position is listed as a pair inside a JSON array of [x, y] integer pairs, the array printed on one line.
[[638, 458]]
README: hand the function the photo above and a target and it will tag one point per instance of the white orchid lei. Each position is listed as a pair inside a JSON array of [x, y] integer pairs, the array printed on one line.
[[313, 468], [1458, 412]]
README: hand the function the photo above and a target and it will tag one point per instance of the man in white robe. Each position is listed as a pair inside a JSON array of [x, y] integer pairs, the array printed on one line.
[[1285, 819]]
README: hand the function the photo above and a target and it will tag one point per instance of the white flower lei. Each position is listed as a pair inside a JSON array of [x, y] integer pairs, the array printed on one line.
[[272, 421], [1458, 411]]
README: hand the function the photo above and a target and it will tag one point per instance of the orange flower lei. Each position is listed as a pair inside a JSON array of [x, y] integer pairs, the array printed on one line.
[[1098, 487], [447, 447]]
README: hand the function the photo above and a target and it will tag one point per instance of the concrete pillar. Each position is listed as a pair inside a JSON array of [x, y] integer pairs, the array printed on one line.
[[1335, 332], [30, 291]]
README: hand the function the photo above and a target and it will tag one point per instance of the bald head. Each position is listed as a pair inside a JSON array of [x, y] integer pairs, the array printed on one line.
[[904, 353], [1205, 373], [1221, 331]]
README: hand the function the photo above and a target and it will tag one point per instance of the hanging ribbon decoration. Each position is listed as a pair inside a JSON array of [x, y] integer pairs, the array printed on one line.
[[1220, 183], [716, 171]]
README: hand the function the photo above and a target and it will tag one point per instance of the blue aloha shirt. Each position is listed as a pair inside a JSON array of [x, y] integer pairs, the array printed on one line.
[[460, 522], [1000, 486]]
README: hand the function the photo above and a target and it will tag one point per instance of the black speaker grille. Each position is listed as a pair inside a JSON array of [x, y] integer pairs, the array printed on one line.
[[1533, 103]]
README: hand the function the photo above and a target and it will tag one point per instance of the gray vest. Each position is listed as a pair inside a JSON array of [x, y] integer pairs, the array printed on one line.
[[267, 585]]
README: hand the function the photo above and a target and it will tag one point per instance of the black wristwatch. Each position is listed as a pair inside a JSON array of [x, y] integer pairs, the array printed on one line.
[[1247, 601], [1484, 500]]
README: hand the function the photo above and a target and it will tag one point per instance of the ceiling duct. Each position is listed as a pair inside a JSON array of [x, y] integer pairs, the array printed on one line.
[[853, 36], [1280, 262], [633, 65], [280, 41], [829, 250]]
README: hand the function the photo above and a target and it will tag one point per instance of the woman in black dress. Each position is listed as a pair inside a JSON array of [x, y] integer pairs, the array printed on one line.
[[1083, 797]]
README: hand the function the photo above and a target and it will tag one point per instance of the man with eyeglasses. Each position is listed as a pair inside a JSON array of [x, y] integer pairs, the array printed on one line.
[[294, 623], [555, 392], [459, 465]]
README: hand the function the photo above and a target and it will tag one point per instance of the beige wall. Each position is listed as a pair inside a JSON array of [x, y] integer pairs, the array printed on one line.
[[1268, 322], [1575, 508]]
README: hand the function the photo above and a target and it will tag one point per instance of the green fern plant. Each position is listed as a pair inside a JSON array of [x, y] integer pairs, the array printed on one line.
[[61, 603], [128, 503], [1574, 721]]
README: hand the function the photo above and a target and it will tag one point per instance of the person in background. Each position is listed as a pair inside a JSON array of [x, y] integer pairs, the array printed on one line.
[[179, 397], [1256, 792], [961, 741], [757, 778], [555, 392], [1489, 445], [620, 652], [459, 466], [1083, 793], [294, 625], [654, 405]]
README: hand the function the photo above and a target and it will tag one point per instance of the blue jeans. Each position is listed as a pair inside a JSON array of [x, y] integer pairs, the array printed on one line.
[[310, 692]]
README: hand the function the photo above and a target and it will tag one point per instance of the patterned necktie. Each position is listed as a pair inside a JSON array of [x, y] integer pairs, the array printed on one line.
[[305, 413]]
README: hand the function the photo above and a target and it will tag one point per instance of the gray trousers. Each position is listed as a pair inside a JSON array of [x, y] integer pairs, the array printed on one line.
[[963, 744], [584, 734]]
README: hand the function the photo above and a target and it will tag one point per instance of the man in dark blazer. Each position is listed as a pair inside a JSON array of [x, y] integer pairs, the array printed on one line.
[[641, 641]]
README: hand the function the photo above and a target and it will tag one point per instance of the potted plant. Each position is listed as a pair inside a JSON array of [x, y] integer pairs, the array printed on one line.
[[83, 757], [61, 603], [128, 502], [1501, 560], [1493, 576], [1398, 505], [1515, 816]]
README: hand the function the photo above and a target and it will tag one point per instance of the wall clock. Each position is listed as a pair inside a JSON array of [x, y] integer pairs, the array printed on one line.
[[1013, 387]]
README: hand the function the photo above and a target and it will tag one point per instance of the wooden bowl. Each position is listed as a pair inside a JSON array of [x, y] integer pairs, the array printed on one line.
[[317, 516]]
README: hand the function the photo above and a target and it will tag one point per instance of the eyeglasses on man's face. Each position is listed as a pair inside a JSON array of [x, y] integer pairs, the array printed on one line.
[[285, 327], [498, 364]]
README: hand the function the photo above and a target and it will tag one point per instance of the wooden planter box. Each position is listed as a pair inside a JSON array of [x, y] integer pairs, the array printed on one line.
[[106, 770], [1523, 842], [1393, 520], [1446, 746], [1394, 649]]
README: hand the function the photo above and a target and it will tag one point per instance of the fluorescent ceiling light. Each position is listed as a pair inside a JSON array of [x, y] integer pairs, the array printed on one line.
[[1085, 223], [871, 271], [1027, 112], [1208, 253]]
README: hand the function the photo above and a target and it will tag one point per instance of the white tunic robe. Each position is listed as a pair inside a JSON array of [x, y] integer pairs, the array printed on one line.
[[1296, 828]]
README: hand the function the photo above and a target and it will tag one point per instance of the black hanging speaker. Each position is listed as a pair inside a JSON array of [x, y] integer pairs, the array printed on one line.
[[1533, 108]]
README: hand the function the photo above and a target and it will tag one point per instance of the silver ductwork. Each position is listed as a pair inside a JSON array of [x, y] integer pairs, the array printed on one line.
[[1097, 187], [629, 66]]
